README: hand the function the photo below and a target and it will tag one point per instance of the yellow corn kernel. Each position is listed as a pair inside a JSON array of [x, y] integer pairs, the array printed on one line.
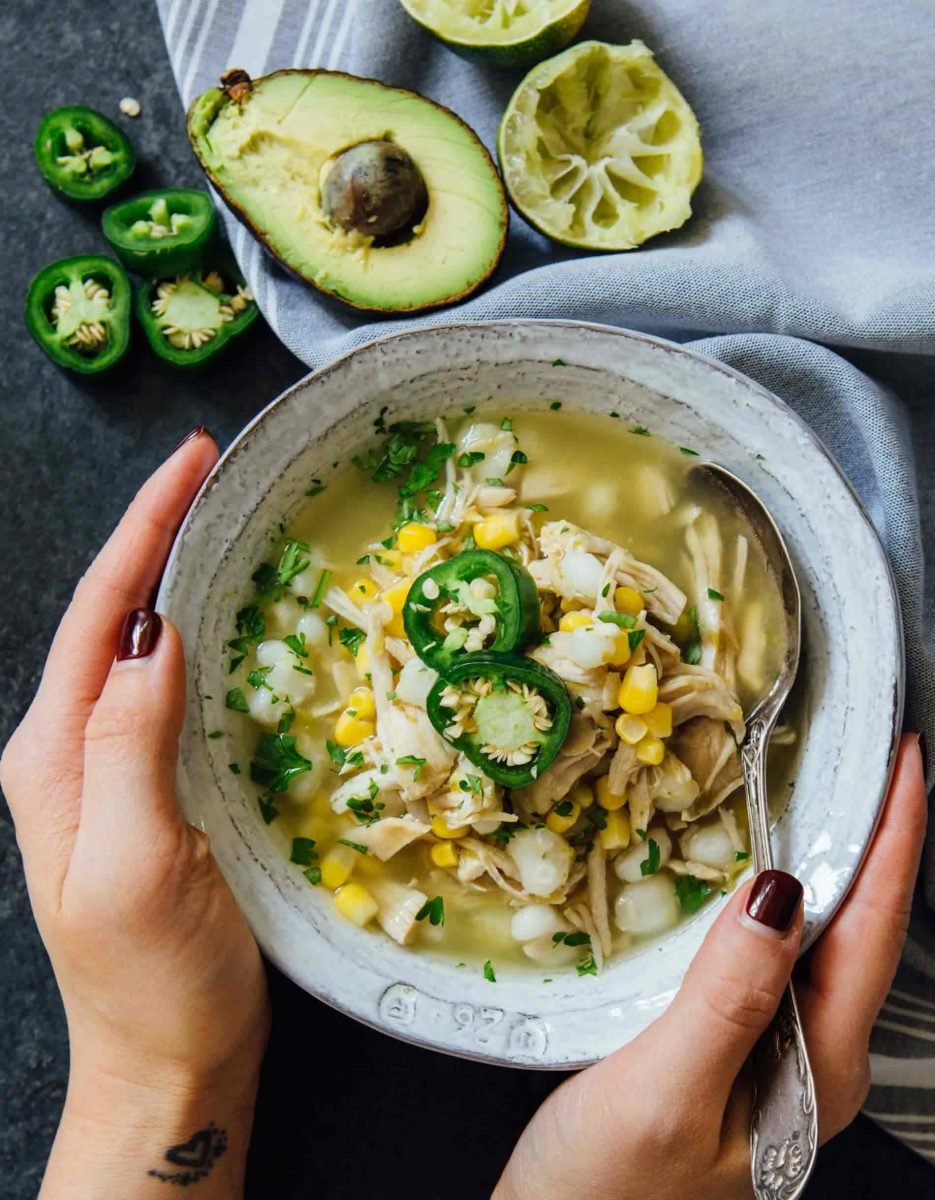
[[414, 537], [497, 531], [619, 652], [337, 865], [651, 750], [442, 829], [616, 834], [362, 590], [349, 730], [571, 621], [659, 720], [443, 854], [561, 822], [607, 799], [631, 729], [581, 794], [355, 904], [395, 597], [360, 702], [639, 690], [628, 600]]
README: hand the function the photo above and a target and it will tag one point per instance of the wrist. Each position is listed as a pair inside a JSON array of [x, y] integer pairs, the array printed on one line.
[[139, 1124]]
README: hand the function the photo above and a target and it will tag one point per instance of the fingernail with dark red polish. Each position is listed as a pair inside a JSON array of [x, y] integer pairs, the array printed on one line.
[[774, 900], [190, 437], [140, 633]]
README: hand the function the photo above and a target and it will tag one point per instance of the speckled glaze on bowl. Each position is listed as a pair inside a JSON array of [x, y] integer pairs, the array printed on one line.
[[853, 685]]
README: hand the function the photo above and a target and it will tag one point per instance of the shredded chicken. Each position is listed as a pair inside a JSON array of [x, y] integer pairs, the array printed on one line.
[[709, 751], [388, 836]]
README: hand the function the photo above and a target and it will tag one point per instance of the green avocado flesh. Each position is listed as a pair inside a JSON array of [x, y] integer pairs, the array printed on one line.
[[270, 152]]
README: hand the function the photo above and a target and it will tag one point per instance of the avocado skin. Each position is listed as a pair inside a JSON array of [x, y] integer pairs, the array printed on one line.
[[205, 108]]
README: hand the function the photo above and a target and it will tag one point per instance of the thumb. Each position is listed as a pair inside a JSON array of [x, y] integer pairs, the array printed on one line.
[[131, 739], [734, 985]]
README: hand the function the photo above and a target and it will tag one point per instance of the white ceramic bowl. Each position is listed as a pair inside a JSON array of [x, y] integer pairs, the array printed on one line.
[[853, 674]]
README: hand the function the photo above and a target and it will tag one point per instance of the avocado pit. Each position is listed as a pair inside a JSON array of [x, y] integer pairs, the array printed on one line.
[[375, 189]]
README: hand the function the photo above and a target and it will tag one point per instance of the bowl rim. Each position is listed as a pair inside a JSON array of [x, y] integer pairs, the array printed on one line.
[[241, 441]]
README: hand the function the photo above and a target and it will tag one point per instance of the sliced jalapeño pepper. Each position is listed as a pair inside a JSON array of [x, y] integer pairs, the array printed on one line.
[[508, 714], [81, 154], [78, 310], [163, 233], [476, 601], [191, 319]]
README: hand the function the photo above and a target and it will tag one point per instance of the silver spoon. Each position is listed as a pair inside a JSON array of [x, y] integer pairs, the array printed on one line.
[[784, 1120]]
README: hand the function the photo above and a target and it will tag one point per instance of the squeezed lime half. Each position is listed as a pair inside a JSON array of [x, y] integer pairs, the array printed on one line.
[[599, 149], [505, 33]]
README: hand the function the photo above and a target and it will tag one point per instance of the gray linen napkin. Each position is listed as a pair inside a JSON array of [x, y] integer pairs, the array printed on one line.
[[814, 222]]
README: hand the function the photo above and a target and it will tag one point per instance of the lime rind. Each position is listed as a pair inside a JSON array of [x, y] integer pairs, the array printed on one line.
[[507, 33], [599, 149]]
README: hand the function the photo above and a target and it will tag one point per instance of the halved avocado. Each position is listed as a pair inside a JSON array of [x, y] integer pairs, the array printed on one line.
[[372, 194]]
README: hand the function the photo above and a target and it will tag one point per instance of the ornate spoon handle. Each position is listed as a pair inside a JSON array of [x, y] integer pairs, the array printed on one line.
[[784, 1120]]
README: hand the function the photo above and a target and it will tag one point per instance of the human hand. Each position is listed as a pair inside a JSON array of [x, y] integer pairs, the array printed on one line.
[[163, 985], [668, 1115]]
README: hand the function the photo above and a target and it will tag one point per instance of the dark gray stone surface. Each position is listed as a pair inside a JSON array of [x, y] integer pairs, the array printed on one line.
[[343, 1112]]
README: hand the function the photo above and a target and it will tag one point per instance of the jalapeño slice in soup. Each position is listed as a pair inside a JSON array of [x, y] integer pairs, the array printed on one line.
[[508, 715], [478, 600]]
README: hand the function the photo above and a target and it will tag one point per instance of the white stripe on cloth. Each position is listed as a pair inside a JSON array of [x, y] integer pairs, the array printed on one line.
[[899, 1027], [188, 79], [901, 1118], [337, 49], [177, 48], [255, 35], [902, 1011], [909, 998], [902, 1072], [301, 45], [324, 29]]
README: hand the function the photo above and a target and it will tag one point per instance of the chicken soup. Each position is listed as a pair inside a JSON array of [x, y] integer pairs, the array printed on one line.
[[496, 671]]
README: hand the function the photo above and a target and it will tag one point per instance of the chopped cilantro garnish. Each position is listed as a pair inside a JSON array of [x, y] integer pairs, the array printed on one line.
[[268, 810], [653, 860], [352, 845], [291, 562], [320, 588], [237, 701], [489, 973], [572, 939], [352, 639], [313, 875], [296, 643], [285, 721], [564, 809], [741, 856], [622, 620], [557, 362], [234, 768], [507, 424], [363, 560], [410, 760], [257, 678], [470, 457], [688, 450], [517, 459], [691, 892], [276, 762], [692, 652], [634, 637], [472, 783], [588, 966], [640, 431], [538, 507], [434, 909], [303, 851], [714, 594]]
